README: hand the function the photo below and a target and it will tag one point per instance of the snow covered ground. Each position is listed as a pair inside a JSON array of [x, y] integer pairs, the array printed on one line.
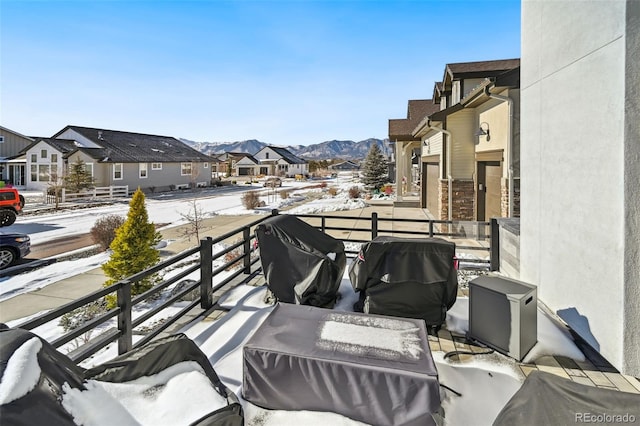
[[162, 209], [485, 382]]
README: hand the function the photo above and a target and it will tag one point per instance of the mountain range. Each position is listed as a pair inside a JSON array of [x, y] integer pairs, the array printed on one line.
[[335, 149]]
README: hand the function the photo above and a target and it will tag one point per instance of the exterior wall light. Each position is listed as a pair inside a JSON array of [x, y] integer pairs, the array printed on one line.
[[482, 131]]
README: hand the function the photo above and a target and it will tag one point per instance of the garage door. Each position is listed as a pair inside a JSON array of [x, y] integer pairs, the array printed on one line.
[[433, 173], [244, 171]]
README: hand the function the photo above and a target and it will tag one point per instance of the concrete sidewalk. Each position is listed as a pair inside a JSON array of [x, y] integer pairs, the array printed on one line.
[[72, 288]]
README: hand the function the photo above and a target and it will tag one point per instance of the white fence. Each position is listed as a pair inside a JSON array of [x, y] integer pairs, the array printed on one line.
[[99, 192]]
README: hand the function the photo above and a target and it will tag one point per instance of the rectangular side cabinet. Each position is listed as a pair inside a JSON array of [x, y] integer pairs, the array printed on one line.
[[503, 314]]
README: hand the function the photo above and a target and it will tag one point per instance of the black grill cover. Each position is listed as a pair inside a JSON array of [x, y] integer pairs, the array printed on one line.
[[41, 405], [547, 399], [300, 263], [406, 277]]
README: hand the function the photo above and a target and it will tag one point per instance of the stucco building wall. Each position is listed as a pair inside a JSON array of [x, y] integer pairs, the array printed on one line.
[[581, 168]]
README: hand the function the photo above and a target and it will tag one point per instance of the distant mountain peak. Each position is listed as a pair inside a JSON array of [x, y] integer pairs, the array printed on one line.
[[333, 149]]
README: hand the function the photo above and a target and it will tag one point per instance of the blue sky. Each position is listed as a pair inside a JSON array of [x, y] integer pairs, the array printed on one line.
[[282, 72]]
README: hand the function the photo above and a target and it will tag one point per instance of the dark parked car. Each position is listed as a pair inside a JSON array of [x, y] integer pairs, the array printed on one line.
[[13, 247]]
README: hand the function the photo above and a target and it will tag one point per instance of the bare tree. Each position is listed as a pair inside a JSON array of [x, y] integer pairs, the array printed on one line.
[[55, 186], [195, 218]]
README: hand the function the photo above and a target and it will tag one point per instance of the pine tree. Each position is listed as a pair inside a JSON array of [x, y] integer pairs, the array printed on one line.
[[78, 177], [375, 170], [133, 248]]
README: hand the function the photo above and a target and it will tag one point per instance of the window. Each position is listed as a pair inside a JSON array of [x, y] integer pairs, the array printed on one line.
[[34, 158], [142, 167], [34, 173], [1, 139], [156, 166], [43, 173], [54, 158], [206, 165], [117, 171], [185, 169], [88, 167], [43, 153], [266, 155]]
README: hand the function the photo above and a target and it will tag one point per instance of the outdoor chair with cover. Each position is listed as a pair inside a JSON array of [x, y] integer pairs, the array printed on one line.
[[406, 277], [548, 399], [37, 381], [301, 264]]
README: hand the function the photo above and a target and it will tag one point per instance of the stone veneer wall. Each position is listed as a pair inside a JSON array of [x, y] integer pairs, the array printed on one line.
[[463, 206], [504, 201]]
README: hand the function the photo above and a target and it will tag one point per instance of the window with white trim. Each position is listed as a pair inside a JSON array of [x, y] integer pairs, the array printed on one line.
[[43, 173], [34, 173], [1, 139], [88, 167], [43, 153], [117, 171], [206, 165], [34, 158], [142, 168], [54, 158], [156, 166], [185, 169]]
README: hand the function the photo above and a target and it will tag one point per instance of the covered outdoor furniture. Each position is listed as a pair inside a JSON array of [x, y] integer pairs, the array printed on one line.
[[300, 263], [37, 379], [548, 399], [370, 368], [406, 277]]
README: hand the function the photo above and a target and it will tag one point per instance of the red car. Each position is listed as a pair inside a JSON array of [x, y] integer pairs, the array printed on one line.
[[11, 204]]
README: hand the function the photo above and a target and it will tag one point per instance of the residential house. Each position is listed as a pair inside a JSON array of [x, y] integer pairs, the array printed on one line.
[[248, 165], [470, 143], [226, 162], [12, 163], [345, 166], [273, 160], [405, 144], [580, 226], [117, 158]]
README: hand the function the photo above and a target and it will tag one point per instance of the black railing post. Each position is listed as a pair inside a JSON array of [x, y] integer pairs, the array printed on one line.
[[323, 224], [430, 229], [494, 252], [123, 296], [246, 238], [274, 212], [206, 273], [374, 225]]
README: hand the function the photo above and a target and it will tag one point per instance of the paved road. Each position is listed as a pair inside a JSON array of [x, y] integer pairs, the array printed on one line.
[[60, 246]]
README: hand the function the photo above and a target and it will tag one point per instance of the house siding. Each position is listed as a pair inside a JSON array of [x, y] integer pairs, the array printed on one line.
[[12, 144], [36, 149], [432, 144], [461, 125], [159, 180]]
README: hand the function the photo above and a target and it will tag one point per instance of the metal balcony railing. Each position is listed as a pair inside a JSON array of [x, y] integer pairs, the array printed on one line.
[[237, 249]]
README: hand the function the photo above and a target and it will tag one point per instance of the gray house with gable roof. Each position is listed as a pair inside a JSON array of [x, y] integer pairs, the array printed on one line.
[[117, 158]]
